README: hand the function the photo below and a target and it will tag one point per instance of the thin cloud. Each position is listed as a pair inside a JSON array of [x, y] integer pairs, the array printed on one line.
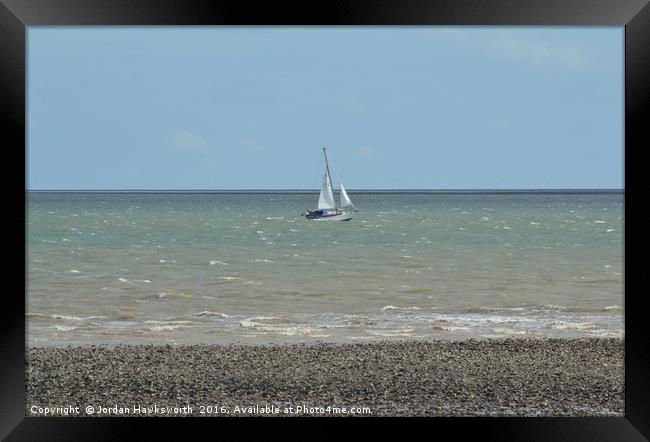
[[500, 125], [348, 103], [252, 144], [365, 152], [505, 45], [186, 141], [508, 46]]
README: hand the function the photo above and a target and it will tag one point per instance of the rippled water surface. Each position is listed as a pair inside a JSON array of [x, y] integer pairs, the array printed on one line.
[[110, 268]]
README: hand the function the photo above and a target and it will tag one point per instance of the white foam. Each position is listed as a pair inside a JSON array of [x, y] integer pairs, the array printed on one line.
[[607, 333], [507, 319], [261, 323], [215, 262], [400, 332], [63, 327], [510, 331], [230, 278], [553, 307], [164, 327], [75, 318], [209, 313], [567, 325], [392, 307], [252, 322], [453, 328]]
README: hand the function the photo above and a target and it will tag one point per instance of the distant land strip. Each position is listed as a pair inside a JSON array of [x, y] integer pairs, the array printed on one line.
[[355, 191]]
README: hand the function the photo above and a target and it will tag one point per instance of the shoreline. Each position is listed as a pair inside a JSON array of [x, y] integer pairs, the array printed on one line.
[[475, 377]]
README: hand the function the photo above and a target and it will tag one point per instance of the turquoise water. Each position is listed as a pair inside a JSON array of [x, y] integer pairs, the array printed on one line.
[[111, 268]]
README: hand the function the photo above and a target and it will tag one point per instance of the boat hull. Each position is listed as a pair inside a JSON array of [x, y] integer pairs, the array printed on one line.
[[342, 217]]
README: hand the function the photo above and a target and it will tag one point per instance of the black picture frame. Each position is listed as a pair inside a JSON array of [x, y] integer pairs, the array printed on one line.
[[634, 15]]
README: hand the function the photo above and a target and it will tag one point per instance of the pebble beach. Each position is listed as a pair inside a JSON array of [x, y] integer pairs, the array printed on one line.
[[489, 377]]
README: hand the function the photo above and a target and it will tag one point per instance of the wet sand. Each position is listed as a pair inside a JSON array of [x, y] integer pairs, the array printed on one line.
[[520, 377]]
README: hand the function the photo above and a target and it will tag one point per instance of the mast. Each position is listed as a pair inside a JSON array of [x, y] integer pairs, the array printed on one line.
[[327, 167]]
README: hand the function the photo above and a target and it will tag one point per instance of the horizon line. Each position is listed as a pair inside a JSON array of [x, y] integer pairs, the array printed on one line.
[[316, 190]]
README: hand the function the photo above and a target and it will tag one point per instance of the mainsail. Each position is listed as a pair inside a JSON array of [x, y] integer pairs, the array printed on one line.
[[345, 199], [326, 197]]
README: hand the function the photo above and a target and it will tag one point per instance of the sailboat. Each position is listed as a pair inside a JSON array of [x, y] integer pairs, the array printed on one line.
[[327, 209]]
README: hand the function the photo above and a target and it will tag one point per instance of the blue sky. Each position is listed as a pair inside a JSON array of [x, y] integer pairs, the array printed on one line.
[[398, 107]]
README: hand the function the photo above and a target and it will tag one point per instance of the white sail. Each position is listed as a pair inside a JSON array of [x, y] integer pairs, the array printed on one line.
[[345, 199], [326, 197]]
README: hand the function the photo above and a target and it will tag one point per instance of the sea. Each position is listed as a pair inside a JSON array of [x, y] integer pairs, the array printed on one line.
[[179, 268]]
